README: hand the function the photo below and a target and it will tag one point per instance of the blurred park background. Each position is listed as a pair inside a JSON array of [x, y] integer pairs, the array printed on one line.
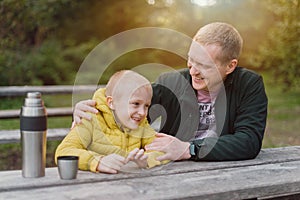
[[45, 43]]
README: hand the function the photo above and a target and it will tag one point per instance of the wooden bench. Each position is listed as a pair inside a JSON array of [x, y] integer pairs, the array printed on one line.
[[14, 91], [274, 174]]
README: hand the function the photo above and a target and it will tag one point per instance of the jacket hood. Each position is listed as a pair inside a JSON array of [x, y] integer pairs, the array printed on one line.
[[100, 98]]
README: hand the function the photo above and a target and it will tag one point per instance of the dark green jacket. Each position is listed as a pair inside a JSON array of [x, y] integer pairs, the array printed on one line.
[[241, 112]]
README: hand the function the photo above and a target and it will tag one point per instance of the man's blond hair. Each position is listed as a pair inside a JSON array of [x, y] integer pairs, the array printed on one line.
[[223, 35]]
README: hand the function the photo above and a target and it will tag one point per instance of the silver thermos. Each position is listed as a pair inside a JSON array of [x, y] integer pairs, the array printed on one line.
[[33, 127]]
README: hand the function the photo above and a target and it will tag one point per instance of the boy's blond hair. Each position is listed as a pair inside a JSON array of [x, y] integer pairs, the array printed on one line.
[[126, 81]]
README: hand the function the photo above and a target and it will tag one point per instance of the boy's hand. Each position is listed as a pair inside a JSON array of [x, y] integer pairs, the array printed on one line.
[[138, 156], [111, 163]]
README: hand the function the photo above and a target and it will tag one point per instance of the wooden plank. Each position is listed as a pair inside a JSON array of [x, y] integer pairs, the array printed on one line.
[[10, 91], [13, 136], [51, 112], [231, 183]]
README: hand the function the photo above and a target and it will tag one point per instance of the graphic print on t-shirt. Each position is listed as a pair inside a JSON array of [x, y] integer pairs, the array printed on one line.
[[207, 122]]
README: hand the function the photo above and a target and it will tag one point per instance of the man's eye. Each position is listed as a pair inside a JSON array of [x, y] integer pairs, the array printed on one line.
[[136, 103]]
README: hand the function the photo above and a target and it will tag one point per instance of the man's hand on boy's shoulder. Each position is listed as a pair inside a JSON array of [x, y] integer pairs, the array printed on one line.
[[81, 110]]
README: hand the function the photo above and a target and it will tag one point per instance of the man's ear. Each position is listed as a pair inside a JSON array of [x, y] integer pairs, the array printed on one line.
[[231, 66], [109, 101]]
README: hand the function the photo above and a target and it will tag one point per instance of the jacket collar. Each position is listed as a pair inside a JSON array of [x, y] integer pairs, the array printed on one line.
[[229, 79]]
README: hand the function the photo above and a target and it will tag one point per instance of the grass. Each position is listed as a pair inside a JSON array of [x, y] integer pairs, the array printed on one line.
[[11, 155], [283, 123]]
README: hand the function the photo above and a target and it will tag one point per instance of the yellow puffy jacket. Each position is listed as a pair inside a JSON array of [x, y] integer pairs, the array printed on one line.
[[91, 140]]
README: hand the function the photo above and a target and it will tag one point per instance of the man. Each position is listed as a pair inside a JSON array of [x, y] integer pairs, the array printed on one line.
[[221, 117]]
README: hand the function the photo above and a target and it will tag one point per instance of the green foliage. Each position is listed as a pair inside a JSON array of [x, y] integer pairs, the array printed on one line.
[[280, 52], [30, 51], [39, 66]]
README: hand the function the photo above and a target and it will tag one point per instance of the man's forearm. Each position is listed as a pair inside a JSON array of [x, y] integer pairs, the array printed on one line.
[[229, 147]]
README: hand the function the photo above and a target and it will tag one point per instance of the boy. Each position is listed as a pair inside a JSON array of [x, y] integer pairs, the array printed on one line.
[[118, 133]]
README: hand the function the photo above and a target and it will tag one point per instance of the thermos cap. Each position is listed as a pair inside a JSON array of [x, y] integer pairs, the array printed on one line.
[[34, 95], [33, 106], [33, 99]]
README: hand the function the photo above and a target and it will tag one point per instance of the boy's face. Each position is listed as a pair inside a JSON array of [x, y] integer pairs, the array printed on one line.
[[132, 108]]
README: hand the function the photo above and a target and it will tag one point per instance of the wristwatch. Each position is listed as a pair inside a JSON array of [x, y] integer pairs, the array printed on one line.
[[192, 151]]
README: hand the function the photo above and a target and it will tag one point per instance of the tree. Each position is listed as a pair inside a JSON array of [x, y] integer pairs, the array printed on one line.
[[280, 52], [30, 52]]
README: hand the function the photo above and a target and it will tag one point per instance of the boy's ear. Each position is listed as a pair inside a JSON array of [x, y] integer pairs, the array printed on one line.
[[109, 102], [231, 66]]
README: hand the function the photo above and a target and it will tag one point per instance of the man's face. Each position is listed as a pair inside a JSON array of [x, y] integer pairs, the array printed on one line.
[[206, 71], [131, 109]]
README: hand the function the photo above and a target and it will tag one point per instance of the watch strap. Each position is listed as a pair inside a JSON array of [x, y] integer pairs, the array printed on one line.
[[192, 151]]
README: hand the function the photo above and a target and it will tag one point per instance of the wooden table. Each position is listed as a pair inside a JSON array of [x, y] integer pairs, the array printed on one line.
[[275, 173]]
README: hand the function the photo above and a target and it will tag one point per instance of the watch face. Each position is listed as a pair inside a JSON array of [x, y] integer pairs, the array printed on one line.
[[192, 149]]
